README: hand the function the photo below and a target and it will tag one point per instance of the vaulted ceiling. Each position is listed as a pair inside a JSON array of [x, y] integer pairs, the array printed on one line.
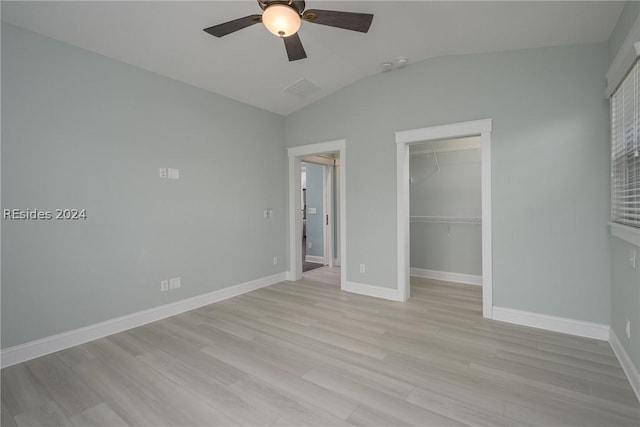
[[251, 65]]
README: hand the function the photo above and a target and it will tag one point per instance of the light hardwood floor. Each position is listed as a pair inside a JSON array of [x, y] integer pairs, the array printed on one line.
[[326, 275], [306, 353]]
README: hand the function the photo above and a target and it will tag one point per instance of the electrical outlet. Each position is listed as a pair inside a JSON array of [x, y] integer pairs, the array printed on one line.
[[632, 258], [164, 285], [265, 213], [174, 283], [627, 329], [163, 172], [362, 268], [275, 260], [310, 244]]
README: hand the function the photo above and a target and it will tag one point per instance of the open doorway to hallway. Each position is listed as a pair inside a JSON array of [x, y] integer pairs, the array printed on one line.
[[320, 206], [312, 234], [317, 221]]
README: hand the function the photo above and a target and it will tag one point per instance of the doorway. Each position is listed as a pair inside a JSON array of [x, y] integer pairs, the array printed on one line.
[[404, 140], [331, 158], [319, 210], [445, 210]]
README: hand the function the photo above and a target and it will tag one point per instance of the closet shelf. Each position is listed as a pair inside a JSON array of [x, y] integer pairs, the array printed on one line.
[[447, 219]]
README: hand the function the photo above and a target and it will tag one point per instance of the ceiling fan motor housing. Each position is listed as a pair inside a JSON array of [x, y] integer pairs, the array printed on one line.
[[297, 5]]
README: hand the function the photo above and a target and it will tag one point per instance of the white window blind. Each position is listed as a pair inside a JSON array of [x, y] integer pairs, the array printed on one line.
[[625, 150]]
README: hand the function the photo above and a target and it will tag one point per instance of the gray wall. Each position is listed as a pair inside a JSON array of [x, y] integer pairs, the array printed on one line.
[[83, 131], [625, 297], [452, 191], [627, 18], [625, 281], [315, 227], [550, 167]]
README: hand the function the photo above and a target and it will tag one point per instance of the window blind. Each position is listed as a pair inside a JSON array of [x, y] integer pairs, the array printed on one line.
[[625, 150]]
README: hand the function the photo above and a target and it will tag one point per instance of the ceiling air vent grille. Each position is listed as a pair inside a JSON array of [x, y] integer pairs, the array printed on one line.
[[302, 87]]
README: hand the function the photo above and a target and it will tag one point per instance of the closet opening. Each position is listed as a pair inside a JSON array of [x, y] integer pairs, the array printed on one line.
[[446, 210], [441, 218]]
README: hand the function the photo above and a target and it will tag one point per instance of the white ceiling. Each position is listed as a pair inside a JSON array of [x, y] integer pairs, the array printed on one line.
[[251, 65]]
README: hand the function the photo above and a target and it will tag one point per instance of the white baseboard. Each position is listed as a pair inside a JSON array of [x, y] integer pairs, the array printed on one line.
[[552, 323], [314, 258], [371, 291], [447, 276], [627, 364], [31, 350], [290, 276]]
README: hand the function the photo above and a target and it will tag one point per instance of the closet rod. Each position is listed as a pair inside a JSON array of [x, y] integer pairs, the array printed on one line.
[[446, 219]]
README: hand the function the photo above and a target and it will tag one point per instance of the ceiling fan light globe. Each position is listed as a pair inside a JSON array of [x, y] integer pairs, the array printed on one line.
[[281, 20]]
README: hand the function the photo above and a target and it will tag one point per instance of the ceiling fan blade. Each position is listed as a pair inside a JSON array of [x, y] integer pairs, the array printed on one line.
[[295, 51], [346, 20], [233, 26]]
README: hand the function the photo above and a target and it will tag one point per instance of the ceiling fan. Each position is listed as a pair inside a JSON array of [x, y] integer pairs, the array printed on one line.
[[284, 17]]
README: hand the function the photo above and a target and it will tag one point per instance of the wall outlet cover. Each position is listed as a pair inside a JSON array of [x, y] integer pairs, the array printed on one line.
[[164, 285], [174, 173], [163, 172]]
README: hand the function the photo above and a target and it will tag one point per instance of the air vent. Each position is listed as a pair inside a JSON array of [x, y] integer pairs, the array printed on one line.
[[302, 87]]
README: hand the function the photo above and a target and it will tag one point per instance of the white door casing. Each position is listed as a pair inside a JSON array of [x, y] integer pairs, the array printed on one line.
[[456, 130]]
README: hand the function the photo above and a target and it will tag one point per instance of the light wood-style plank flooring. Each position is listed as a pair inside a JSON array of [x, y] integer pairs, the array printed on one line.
[[306, 353], [326, 275]]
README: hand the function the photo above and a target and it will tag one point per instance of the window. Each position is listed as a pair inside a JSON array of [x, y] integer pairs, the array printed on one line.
[[625, 150]]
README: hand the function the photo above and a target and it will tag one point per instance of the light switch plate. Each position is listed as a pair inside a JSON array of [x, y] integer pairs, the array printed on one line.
[[174, 283], [311, 211], [627, 328], [174, 173]]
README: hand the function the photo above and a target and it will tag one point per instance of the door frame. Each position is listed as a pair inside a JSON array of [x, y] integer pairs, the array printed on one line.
[[456, 130], [336, 212], [327, 211], [295, 217]]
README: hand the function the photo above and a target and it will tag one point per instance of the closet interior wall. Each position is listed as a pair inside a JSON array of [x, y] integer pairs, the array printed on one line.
[[445, 206]]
